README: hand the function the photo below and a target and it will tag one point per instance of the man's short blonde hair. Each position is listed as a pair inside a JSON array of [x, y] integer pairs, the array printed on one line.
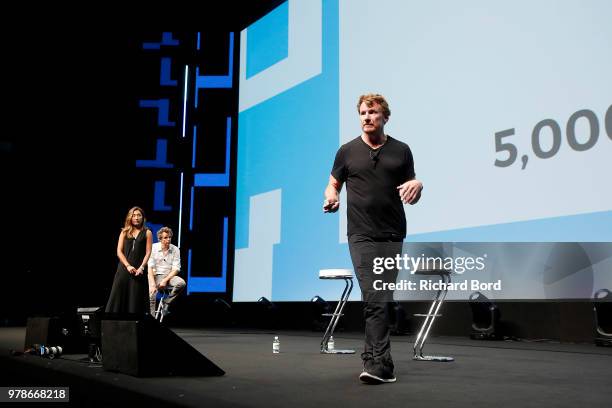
[[372, 98], [162, 230]]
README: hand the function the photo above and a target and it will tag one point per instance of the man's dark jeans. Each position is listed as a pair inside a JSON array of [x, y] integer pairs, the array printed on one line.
[[363, 249]]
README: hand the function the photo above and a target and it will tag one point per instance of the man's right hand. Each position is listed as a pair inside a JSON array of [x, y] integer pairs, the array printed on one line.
[[332, 192], [331, 206], [152, 291]]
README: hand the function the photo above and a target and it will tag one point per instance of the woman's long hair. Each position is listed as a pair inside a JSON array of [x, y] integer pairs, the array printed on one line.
[[127, 226]]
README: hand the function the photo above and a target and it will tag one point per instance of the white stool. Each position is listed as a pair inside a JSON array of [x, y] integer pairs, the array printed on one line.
[[431, 315], [347, 275]]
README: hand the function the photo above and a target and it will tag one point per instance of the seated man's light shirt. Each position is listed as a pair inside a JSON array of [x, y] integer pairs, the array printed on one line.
[[163, 265]]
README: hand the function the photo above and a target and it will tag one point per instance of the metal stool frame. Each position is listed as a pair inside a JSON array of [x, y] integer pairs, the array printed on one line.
[[430, 317], [348, 287], [164, 293]]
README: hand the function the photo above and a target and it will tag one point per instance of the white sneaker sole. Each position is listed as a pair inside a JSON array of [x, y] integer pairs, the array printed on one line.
[[374, 379]]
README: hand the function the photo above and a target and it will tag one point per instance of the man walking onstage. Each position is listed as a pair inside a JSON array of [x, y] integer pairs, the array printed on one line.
[[379, 174], [164, 266]]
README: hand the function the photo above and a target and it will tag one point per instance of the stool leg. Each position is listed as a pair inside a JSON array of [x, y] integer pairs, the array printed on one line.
[[429, 319], [343, 301], [329, 331], [437, 304], [348, 287], [420, 341], [158, 310], [161, 304]]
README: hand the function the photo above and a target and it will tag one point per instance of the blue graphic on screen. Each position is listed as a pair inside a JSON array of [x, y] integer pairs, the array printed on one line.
[[268, 40], [285, 146], [202, 83], [301, 72]]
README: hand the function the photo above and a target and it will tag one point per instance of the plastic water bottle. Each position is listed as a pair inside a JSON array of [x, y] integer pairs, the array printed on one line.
[[330, 344], [276, 345]]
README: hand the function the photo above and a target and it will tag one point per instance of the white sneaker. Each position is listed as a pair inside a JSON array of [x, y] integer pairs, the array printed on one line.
[[370, 378]]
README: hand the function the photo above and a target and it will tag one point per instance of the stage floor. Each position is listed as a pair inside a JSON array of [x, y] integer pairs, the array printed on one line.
[[484, 374]]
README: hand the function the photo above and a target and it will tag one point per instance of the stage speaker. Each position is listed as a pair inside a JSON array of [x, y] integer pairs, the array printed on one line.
[[141, 347], [44, 330]]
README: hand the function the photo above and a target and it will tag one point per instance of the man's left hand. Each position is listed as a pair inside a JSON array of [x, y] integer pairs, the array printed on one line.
[[410, 191], [162, 284]]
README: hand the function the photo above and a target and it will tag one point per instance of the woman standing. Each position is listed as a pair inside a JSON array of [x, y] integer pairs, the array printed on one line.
[[130, 292]]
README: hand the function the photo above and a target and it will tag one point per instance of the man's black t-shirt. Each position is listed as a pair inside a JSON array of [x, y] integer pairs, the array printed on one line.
[[372, 176]]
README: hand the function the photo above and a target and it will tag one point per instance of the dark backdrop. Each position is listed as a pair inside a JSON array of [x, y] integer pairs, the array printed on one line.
[[69, 143]]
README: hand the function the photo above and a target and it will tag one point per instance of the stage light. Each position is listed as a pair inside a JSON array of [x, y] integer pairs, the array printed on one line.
[[268, 313], [266, 304], [602, 308], [90, 327], [321, 311], [485, 318], [320, 303]]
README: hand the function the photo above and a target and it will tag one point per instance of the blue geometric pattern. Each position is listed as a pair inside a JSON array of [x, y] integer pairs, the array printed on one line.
[[217, 81], [159, 197], [268, 40], [189, 178], [165, 74], [204, 180], [161, 157], [218, 179], [166, 40], [210, 284], [294, 153], [163, 110]]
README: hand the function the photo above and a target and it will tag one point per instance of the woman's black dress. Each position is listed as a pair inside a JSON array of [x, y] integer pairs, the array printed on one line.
[[130, 294]]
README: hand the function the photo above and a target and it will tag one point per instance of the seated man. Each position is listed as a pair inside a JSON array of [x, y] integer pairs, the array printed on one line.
[[164, 266]]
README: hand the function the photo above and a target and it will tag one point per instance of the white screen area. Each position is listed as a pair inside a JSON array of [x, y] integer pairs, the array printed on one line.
[[506, 106], [457, 73]]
